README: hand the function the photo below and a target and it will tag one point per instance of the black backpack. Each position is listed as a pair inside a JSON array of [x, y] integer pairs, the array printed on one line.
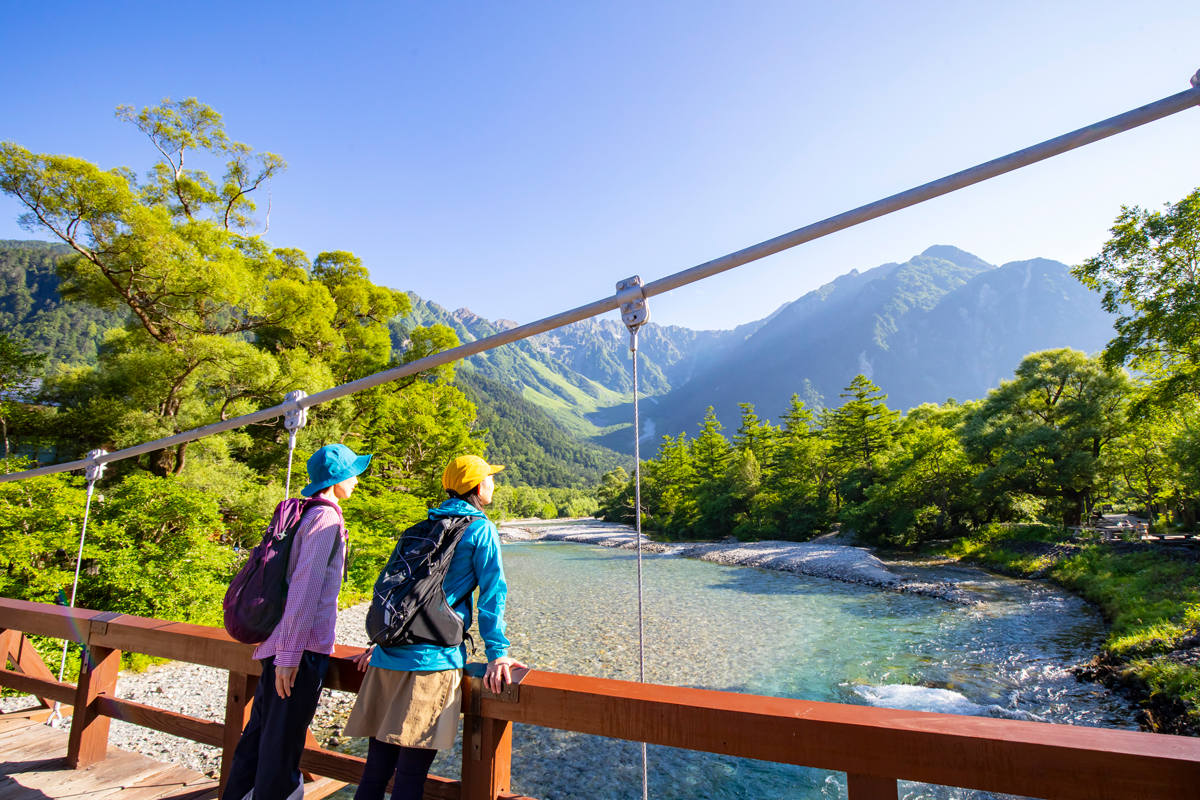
[[409, 603]]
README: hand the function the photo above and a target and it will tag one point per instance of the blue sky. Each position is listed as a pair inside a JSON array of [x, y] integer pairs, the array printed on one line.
[[519, 158]]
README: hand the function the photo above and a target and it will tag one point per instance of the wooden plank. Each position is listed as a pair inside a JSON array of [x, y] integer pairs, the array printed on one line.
[[45, 619], [8, 768], [179, 641], [171, 778], [16, 725], [870, 787], [322, 788], [1007, 756], [89, 727], [42, 688], [204, 731]]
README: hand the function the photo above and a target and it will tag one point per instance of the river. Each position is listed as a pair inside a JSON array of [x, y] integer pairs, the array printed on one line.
[[573, 608]]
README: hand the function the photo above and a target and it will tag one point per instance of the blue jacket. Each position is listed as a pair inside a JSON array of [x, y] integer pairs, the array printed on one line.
[[476, 561]]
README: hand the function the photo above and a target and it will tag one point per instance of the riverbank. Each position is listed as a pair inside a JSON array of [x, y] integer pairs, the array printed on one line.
[[1149, 593], [826, 557]]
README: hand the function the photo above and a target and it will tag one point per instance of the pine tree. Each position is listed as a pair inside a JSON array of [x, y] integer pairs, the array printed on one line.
[[710, 450], [863, 427], [757, 436]]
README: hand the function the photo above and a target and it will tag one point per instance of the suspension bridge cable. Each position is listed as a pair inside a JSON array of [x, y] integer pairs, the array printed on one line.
[[928, 191], [93, 475]]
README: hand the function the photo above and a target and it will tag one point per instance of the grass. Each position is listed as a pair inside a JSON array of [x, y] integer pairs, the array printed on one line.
[[1151, 600]]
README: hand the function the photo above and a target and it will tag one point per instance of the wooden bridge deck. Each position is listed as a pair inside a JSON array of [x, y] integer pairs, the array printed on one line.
[[33, 766]]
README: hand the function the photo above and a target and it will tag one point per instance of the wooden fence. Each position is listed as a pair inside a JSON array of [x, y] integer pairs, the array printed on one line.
[[874, 746]]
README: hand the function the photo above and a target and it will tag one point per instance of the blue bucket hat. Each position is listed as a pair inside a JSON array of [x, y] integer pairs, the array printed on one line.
[[332, 464]]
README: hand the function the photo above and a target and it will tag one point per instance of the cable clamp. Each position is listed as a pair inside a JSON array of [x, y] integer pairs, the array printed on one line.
[[94, 472], [635, 311], [295, 418]]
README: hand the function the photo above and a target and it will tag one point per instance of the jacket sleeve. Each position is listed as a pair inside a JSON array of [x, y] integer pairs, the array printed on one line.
[[493, 591], [315, 540]]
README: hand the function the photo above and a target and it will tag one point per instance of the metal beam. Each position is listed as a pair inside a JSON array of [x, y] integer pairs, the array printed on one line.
[[951, 183]]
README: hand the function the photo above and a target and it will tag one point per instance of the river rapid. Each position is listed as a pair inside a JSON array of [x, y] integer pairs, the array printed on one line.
[[573, 608]]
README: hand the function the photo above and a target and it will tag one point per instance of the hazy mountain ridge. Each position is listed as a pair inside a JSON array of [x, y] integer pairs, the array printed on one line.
[[943, 324]]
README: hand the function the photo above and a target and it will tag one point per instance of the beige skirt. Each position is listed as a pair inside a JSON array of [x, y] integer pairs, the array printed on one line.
[[411, 709]]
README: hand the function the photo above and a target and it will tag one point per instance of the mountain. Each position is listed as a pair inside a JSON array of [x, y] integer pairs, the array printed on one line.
[[535, 450], [580, 374], [943, 324], [32, 310]]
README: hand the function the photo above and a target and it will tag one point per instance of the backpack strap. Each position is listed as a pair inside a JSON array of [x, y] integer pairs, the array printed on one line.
[[311, 503]]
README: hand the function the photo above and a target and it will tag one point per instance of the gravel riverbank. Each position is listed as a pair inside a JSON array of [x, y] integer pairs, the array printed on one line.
[[826, 557]]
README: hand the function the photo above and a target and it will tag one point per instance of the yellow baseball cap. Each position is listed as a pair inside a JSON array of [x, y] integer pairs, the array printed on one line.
[[466, 472]]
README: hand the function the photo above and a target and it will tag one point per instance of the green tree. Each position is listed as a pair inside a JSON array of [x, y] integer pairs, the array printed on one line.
[[18, 368], [1140, 459], [677, 476], [923, 489], [757, 436], [863, 426], [710, 449], [1044, 432], [1148, 274]]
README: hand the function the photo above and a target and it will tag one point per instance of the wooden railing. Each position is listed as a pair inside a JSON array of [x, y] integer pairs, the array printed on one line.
[[874, 746]]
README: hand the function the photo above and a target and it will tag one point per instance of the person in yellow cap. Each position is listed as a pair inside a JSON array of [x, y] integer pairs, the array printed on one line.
[[411, 695]]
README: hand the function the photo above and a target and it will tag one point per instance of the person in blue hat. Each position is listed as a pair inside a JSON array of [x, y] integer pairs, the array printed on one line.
[[296, 655]]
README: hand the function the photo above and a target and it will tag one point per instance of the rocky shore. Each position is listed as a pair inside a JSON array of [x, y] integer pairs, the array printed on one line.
[[826, 557]]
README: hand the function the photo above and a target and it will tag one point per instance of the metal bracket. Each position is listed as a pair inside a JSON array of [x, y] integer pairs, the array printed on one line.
[[1196, 79], [99, 623], [296, 418], [93, 473], [635, 312]]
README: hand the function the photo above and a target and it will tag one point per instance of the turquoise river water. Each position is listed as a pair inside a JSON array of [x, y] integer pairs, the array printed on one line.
[[573, 608]]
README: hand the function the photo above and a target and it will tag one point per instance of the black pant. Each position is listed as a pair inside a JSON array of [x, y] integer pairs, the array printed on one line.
[[277, 730], [410, 765]]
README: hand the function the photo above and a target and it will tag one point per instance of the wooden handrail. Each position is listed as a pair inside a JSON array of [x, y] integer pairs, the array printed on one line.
[[874, 746]]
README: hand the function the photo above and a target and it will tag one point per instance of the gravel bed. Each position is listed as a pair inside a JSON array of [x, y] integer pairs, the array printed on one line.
[[200, 692], [827, 557]]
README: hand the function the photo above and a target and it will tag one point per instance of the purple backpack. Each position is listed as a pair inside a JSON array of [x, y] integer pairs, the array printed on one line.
[[256, 598]]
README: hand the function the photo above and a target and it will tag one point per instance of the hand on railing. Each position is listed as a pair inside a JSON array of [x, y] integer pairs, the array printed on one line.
[[363, 659], [498, 673]]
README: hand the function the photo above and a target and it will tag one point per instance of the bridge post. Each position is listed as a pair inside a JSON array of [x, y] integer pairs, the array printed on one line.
[[98, 670], [487, 748], [15, 647], [870, 787], [238, 700]]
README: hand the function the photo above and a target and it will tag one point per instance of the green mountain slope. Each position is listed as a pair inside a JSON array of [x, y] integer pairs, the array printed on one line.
[[533, 448], [31, 309]]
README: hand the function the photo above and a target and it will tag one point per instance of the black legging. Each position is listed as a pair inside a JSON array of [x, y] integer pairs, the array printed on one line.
[[410, 765]]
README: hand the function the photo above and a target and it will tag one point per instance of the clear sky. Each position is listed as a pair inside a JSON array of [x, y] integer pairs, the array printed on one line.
[[519, 158]]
